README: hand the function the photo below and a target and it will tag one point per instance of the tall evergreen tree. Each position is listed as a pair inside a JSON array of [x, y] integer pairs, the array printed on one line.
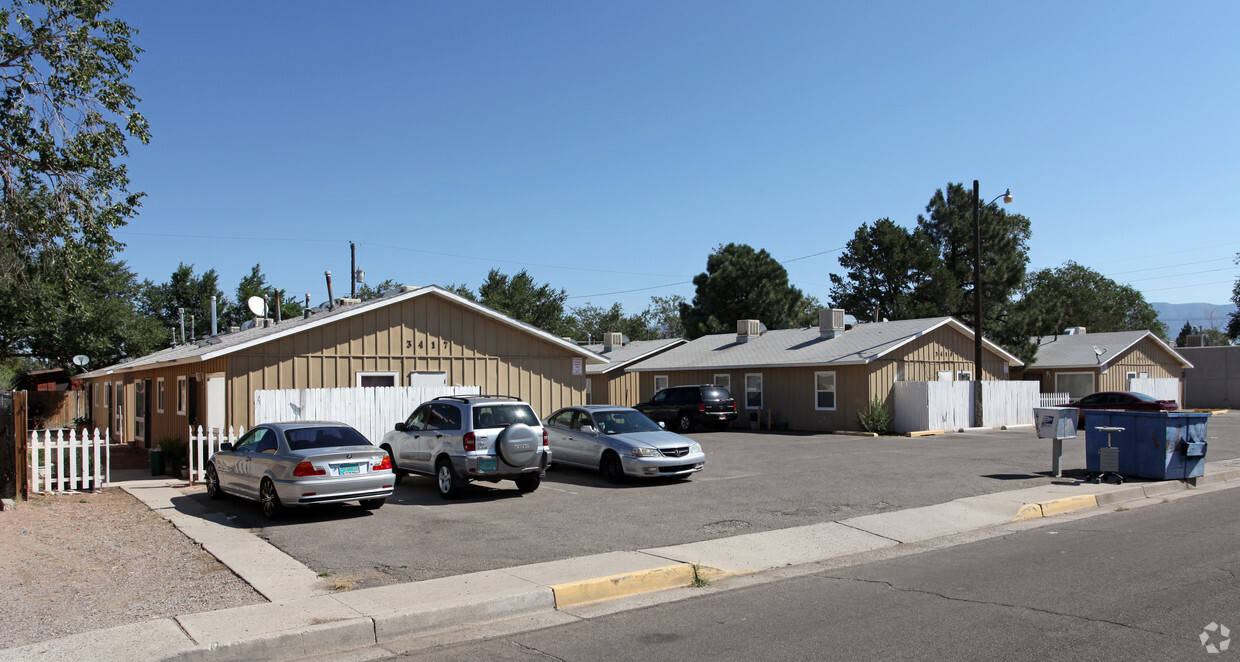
[[520, 297], [189, 292], [890, 271], [741, 283]]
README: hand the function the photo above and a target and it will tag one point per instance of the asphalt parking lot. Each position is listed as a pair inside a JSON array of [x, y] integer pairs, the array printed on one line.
[[752, 482]]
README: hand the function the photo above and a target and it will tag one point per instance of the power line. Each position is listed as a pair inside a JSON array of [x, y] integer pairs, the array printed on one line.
[[1190, 273]]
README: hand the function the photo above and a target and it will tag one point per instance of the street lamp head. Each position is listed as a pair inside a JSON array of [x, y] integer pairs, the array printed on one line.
[[1007, 197]]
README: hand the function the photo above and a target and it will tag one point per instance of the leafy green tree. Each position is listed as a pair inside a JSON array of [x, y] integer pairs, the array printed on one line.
[[187, 291], [520, 297], [1185, 331], [741, 283], [255, 285], [590, 322], [92, 315], [890, 273], [65, 113], [366, 292], [461, 289], [1005, 253], [663, 315], [1073, 295], [1233, 323]]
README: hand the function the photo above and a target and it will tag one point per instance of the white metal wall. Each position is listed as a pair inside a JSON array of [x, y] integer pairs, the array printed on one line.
[[372, 411]]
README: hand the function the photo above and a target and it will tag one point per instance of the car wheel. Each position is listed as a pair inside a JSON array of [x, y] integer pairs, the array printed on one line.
[[449, 484], [272, 508], [684, 424], [400, 475], [528, 482], [371, 504], [213, 483], [611, 468]]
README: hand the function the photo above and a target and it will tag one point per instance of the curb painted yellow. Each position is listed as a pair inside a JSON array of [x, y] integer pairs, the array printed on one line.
[[1028, 511], [926, 433], [618, 586], [1056, 507]]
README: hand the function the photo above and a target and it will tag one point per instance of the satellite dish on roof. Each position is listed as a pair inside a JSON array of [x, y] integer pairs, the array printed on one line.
[[81, 360], [257, 305]]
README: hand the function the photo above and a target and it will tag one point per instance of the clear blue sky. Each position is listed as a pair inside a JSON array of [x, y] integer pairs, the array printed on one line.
[[608, 148]]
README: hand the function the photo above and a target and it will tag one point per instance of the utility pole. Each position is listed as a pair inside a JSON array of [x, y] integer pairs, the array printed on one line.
[[352, 270]]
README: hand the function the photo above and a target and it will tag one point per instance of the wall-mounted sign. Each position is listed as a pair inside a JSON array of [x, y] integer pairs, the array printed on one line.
[[577, 366]]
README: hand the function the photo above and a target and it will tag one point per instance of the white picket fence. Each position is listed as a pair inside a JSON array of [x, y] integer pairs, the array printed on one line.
[[373, 411], [949, 405], [60, 462], [1054, 399], [203, 443]]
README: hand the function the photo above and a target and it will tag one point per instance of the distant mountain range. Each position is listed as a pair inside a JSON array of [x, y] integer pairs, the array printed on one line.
[[1204, 315]]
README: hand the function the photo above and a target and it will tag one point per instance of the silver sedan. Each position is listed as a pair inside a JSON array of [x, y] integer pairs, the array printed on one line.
[[620, 442], [300, 464]]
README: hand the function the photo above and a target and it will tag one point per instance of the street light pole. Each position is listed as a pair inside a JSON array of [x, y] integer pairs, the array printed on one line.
[[977, 299]]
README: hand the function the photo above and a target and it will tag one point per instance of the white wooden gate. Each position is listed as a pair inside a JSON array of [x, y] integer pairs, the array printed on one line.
[[948, 405], [59, 462], [1159, 389]]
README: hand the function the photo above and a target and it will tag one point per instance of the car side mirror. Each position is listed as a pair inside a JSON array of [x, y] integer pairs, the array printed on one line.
[[400, 427], [589, 429], [226, 446], [663, 425]]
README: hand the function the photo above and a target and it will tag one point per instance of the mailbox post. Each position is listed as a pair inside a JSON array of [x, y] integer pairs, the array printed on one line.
[[1056, 423]]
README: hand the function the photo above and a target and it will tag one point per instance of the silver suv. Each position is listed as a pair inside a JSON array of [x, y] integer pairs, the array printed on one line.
[[462, 438]]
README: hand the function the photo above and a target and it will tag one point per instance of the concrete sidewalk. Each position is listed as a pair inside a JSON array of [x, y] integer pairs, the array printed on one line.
[[305, 618]]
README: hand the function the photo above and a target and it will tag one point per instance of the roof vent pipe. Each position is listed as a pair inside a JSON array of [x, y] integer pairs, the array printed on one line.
[[305, 312], [279, 315], [181, 316], [215, 329], [330, 304]]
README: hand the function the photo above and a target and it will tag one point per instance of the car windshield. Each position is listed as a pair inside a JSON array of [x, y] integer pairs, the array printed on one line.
[[300, 439], [501, 416], [624, 422]]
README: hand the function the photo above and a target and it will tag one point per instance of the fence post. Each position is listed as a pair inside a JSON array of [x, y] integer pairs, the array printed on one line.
[[20, 448]]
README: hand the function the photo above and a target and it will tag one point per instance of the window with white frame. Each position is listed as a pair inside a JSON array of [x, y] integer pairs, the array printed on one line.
[[94, 393], [824, 391], [660, 383], [107, 395], [159, 395], [182, 395], [589, 391], [725, 380], [1136, 375], [374, 379], [753, 390], [1076, 384]]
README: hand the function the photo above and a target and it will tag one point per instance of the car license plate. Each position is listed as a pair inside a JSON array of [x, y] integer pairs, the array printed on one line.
[[486, 465], [349, 469]]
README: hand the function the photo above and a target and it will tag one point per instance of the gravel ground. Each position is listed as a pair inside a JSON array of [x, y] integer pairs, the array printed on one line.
[[79, 562]]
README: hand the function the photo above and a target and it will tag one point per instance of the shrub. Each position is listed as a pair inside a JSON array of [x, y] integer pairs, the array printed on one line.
[[876, 417]]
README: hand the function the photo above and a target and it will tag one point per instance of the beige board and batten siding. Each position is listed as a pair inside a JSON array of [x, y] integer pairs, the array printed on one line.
[[618, 388], [1147, 355], [422, 334], [167, 424]]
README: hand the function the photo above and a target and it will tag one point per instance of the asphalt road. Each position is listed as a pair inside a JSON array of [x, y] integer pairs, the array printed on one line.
[[752, 482], [1141, 584]]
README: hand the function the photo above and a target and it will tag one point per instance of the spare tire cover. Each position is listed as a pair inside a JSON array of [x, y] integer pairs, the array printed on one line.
[[518, 444]]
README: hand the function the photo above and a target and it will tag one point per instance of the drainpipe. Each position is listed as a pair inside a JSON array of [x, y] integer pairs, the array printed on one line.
[[330, 304], [215, 329]]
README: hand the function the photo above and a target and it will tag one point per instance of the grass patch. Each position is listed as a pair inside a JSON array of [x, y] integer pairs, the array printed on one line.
[[325, 574], [699, 581], [1122, 508]]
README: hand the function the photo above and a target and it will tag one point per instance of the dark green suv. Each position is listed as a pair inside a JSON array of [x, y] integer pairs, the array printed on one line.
[[684, 407]]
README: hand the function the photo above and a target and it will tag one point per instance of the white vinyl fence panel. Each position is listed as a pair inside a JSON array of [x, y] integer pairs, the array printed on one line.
[[59, 462], [1054, 399], [372, 410], [203, 443], [1159, 389], [948, 405]]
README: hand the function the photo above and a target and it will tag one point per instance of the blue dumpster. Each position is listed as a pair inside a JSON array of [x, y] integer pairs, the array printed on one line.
[[1154, 445]]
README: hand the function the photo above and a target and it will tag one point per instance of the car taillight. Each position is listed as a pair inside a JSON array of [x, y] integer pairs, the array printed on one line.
[[545, 441], [385, 464], [307, 469], [733, 405], [701, 406], [471, 441]]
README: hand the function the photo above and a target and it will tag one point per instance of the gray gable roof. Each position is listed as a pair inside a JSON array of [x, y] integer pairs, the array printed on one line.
[[635, 350], [221, 345], [859, 345], [1077, 350]]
